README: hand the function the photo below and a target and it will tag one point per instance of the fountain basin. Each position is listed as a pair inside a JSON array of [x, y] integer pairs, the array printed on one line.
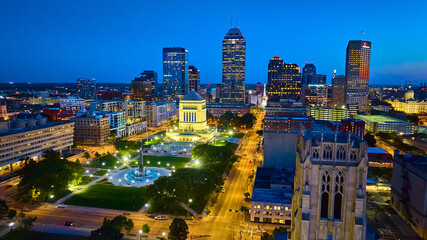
[[131, 177]]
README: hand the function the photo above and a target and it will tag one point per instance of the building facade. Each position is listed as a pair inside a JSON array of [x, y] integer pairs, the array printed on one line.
[[339, 84], [329, 200], [91, 129], [159, 112], [218, 109], [386, 124], [355, 126], [73, 105], [145, 87], [358, 62], [193, 79], [284, 80], [315, 95], [307, 71], [86, 88], [175, 72], [409, 190], [233, 67], [288, 124], [329, 113], [30, 137]]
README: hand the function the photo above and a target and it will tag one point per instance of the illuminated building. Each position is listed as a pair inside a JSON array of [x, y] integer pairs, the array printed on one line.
[[339, 83], [284, 80], [72, 105], [316, 79], [408, 104], [145, 87], [192, 125], [307, 71], [175, 72], [91, 129], [314, 94], [386, 124], [159, 112], [44, 101], [86, 88], [358, 61], [218, 109], [3, 111], [233, 67], [29, 135], [329, 113], [329, 200], [356, 126], [194, 78]]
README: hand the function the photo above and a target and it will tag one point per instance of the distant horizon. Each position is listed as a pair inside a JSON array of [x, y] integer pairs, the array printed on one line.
[[58, 41]]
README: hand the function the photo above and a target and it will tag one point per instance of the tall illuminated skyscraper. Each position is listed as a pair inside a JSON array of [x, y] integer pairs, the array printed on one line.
[[194, 78], [358, 61], [233, 67], [175, 72], [307, 71], [284, 80]]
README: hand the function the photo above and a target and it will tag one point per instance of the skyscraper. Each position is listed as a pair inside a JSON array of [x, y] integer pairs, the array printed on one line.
[[339, 83], [308, 70], [233, 67], [284, 80], [145, 87], [193, 78], [86, 88], [175, 72], [329, 200], [358, 61]]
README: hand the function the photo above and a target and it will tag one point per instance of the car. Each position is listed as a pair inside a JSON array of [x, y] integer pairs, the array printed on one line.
[[7, 186], [159, 218], [223, 190], [69, 224], [260, 230]]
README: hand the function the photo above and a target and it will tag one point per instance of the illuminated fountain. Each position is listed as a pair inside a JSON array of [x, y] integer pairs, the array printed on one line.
[[139, 176]]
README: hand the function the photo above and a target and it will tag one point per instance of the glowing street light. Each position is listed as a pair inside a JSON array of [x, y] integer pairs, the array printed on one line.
[[197, 162], [87, 171], [52, 196], [103, 164], [158, 163], [190, 200], [163, 233]]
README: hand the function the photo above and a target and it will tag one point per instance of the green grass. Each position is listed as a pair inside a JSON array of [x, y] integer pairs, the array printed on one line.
[[100, 172], [109, 162], [178, 162], [235, 135], [85, 180], [33, 235], [110, 197], [58, 194]]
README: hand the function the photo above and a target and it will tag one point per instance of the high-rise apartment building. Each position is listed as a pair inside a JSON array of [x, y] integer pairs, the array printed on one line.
[[86, 88], [329, 200], [233, 67], [339, 84], [145, 87], [175, 72], [307, 71], [284, 80], [194, 78], [358, 61], [314, 94]]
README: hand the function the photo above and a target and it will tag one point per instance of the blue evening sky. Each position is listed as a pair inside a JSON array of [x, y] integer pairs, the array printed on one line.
[[113, 41]]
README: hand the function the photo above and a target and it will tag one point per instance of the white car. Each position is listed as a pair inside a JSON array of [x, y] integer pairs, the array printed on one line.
[[223, 190], [159, 218]]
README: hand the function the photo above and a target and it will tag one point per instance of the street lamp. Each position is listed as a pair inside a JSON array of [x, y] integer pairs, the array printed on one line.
[[11, 225], [52, 196], [163, 233], [197, 162], [140, 232], [190, 200]]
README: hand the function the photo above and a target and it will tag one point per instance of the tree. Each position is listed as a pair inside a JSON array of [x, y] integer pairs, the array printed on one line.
[[3, 207], [25, 223], [266, 236], [121, 222], [370, 139], [11, 214], [178, 230], [244, 209], [51, 154], [247, 195], [44, 178], [279, 230], [86, 155], [97, 155], [106, 232], [145, 228]]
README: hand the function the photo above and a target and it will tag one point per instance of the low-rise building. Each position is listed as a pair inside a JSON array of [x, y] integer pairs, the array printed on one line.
[[41, 100], [91, 129], [355, 126], [3, 111], [328, 113], [386, 124], [218, 109], [159, 112], [73, 105], [286, 111], [29, 135], [409, 190], [288, 124], [272, 196]]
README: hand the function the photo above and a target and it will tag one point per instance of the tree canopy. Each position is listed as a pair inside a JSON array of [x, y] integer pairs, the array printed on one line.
[[44, 178], [178, 230], [112, 229]]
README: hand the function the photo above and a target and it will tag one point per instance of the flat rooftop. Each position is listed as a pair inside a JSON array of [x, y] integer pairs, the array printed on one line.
[[267, 195], [22, 130], [381, 119]]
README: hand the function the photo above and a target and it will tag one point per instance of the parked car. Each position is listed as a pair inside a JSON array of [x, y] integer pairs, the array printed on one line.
[[159, 218], [69, 224], [7, 186]]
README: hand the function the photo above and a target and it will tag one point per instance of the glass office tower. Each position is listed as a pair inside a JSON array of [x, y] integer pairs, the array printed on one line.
[[175, 72]]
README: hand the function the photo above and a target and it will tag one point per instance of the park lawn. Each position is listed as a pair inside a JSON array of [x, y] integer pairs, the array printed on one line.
[[153, 161], [33, 235], [109, 162], [58, 194], [100, 172], [85, 180], [110, 197]]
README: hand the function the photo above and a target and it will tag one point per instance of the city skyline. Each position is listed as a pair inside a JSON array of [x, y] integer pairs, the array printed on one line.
[[80, 43]]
